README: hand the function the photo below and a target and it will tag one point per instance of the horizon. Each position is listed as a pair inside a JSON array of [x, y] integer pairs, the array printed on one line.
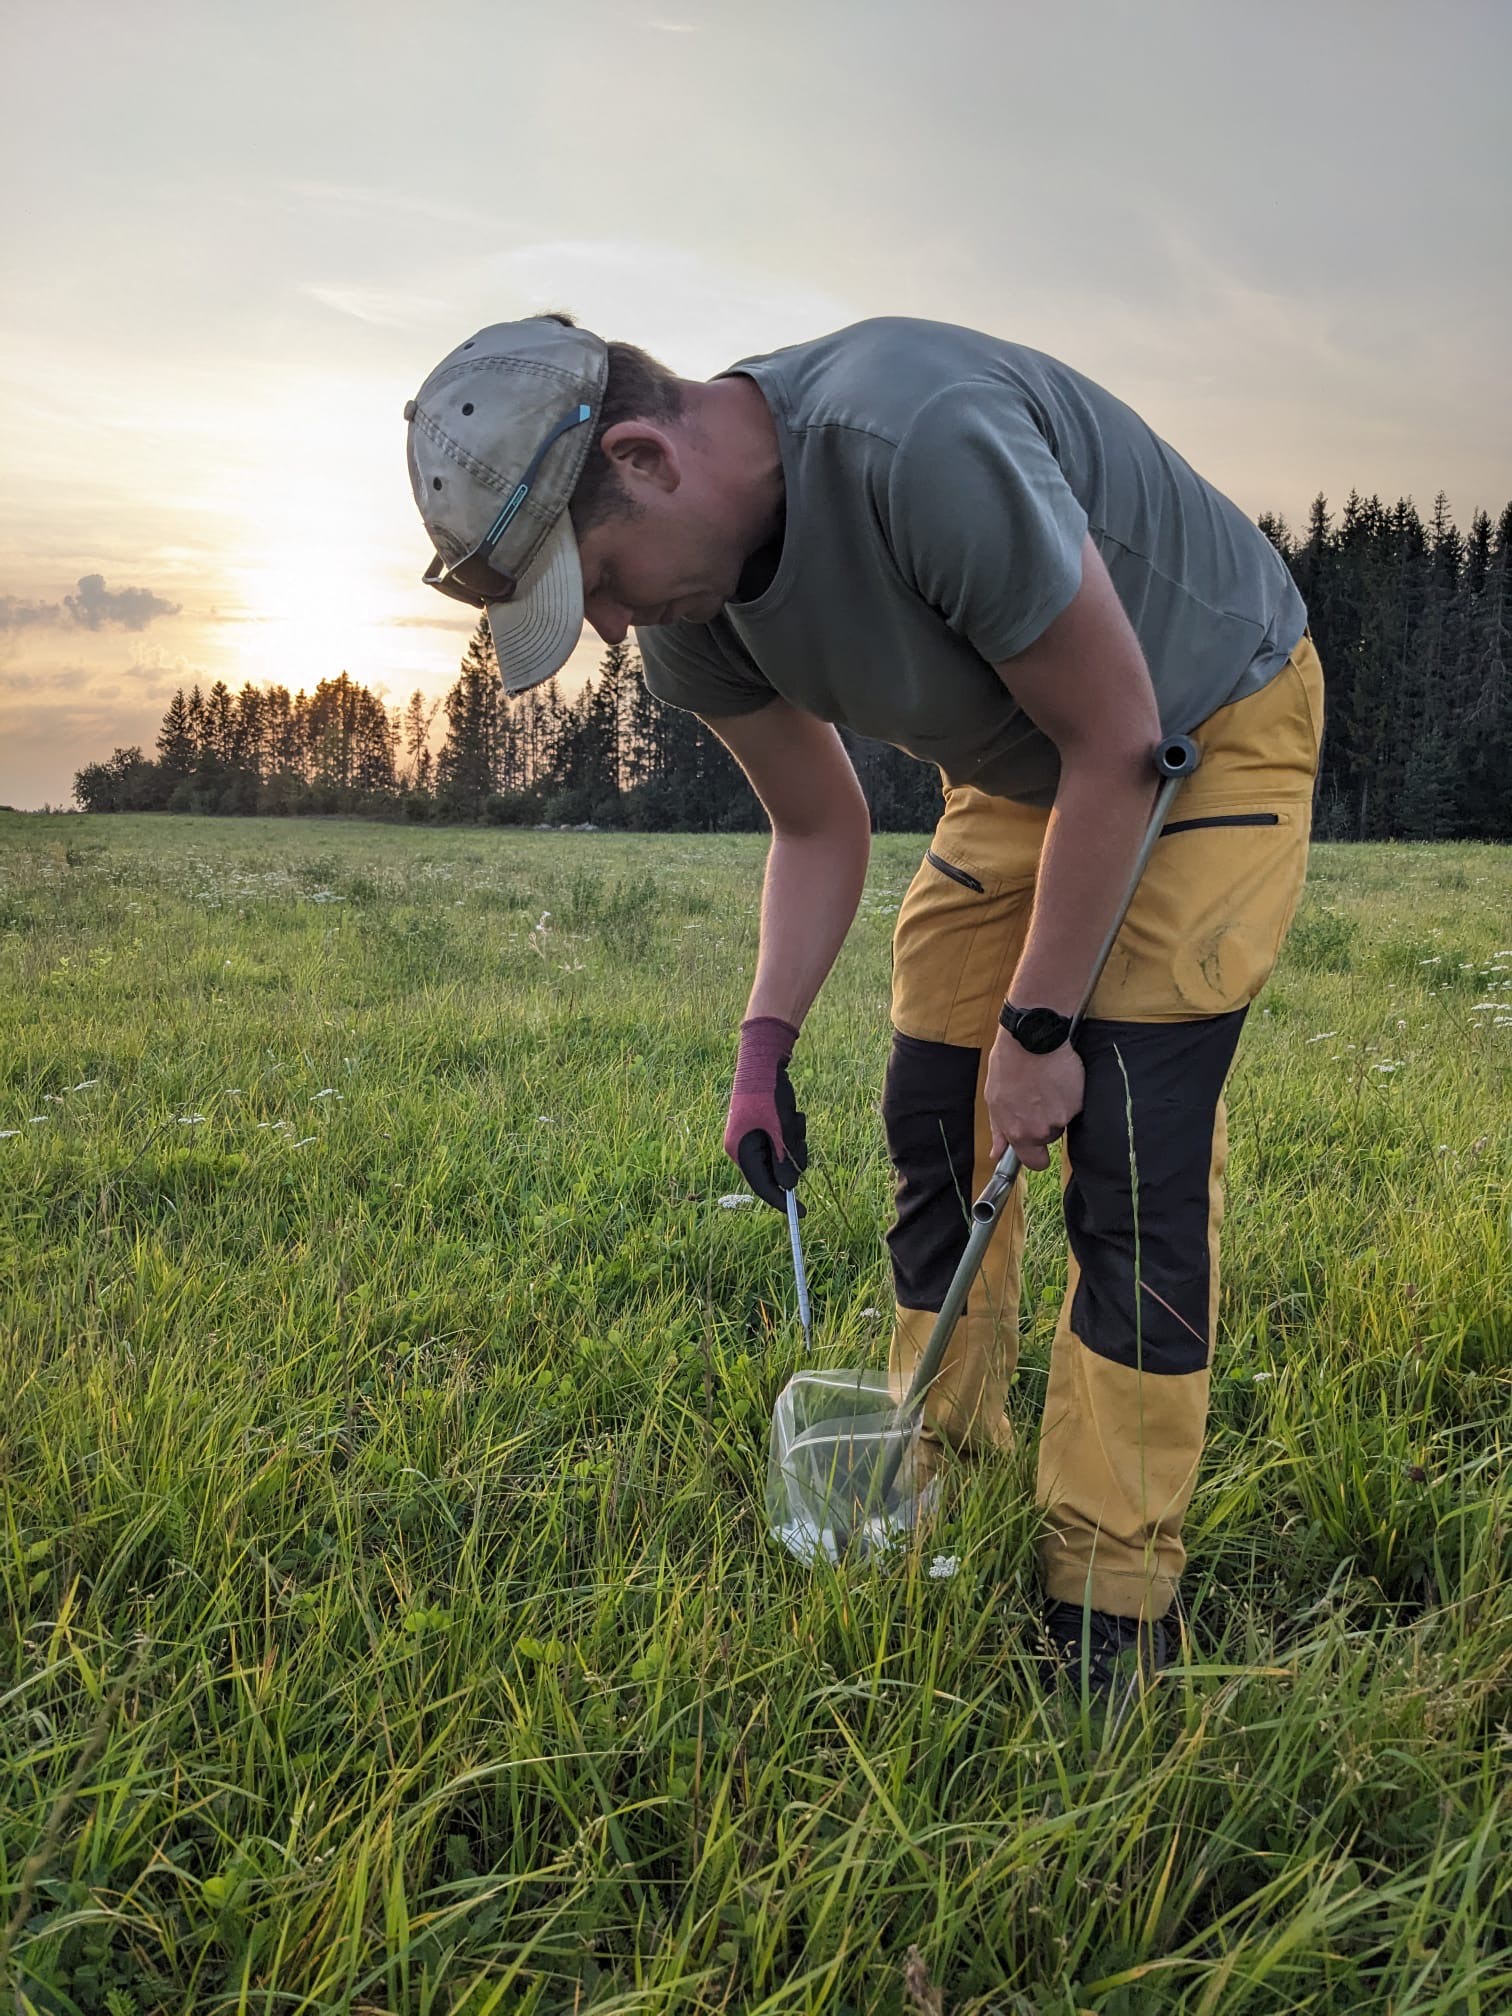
[[207, 480]]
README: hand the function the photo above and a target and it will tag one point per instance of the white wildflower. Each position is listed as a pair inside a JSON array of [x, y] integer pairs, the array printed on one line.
[[327, 1092], [9, 1133], [191, 1119], [1322, 1035], [305, 1142], [84, 1084], [733, 1200], [544, 1120], [1258, 1376], [943, 1567]]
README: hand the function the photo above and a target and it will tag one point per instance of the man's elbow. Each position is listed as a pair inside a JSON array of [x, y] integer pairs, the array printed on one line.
[[1114, 740], [1114, 758]]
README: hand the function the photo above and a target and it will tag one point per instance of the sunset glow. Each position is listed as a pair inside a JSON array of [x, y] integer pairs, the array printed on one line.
[[238, 243]]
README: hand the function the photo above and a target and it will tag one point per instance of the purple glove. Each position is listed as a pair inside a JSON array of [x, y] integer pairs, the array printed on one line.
[[765, 1135]]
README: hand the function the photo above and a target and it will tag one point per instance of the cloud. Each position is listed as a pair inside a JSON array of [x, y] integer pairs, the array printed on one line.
[[92, 608], [51, 679], [386, 204], [693, 310], [133, 608], [461, 626], [384, 308], [18, 615]]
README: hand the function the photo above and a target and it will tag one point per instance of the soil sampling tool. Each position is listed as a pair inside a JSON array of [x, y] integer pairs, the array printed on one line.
[[800, 1277], [843, 1470]]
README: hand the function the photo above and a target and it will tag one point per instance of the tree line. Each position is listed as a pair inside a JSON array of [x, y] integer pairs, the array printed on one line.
[[1413, 621]]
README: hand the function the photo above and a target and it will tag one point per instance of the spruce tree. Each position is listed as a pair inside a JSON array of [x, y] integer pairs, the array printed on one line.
[[418, 715], [1487, 729], [466, 767], [220, 724], [175, 742]]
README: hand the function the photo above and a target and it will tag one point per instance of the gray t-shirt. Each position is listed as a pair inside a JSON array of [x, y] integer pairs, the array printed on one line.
[[939, 484]]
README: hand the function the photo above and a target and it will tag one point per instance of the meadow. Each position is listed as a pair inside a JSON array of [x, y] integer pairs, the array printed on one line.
[[389, 1622]]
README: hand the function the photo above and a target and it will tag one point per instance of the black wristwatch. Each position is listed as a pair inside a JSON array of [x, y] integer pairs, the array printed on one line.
[[1037, 1030]]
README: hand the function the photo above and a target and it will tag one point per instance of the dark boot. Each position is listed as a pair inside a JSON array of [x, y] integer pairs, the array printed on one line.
[[1103, 1653]]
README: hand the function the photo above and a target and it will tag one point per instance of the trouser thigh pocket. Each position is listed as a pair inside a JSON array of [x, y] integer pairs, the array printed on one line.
[[1210, 913], [958, 937]]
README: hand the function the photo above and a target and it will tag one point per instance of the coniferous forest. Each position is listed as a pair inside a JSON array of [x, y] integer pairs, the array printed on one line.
[[1413, 621]]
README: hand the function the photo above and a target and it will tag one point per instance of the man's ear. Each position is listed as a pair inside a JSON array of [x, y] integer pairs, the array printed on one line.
[[643, 455]]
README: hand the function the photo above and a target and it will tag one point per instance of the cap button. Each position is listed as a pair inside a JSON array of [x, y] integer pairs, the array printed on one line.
[[409, 409]]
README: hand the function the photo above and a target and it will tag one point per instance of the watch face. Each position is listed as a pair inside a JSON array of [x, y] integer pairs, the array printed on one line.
[[1040, 1030]]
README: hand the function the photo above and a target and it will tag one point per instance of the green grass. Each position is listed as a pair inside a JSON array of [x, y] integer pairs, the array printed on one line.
[[389, 1623]]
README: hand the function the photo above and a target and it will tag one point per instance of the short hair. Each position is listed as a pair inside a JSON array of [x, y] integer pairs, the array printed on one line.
[[637, 388]]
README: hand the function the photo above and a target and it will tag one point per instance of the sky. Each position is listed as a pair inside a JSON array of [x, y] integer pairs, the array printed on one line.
[[237, 238]]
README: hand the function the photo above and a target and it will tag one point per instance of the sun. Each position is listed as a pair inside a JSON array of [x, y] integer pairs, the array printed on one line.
[[323, 551]]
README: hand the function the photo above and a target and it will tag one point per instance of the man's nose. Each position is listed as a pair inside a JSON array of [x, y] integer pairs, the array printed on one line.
[[610, 619]]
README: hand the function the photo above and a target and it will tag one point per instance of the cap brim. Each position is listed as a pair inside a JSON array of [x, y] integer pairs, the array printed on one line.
[[535, 631]]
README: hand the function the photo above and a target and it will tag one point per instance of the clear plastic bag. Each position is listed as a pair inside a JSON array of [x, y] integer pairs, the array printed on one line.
[[843, 1471]]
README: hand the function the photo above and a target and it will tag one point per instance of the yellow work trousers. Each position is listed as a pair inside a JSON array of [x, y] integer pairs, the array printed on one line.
[[1142, 1164]]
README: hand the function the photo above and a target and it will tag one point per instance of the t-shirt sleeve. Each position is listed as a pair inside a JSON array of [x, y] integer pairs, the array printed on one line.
[[981, 519], [689, 665]]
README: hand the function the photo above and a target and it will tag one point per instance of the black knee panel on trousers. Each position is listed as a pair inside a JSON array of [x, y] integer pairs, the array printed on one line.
[[928, 1108], [1168, 1076]]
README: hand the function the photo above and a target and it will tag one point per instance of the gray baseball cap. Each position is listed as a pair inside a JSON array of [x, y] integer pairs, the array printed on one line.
[[498, 436]]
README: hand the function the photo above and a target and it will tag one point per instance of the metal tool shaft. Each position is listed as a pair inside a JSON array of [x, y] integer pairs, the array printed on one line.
[[800, 1277]]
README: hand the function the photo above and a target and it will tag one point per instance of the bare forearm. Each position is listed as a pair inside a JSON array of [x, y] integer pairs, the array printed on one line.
[[813, 885], [1099, 819]]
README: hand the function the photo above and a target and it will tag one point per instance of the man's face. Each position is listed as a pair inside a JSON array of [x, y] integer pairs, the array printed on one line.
[[662, 565], [673, 554]]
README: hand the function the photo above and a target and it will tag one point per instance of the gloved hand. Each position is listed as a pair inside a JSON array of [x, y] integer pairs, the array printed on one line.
[[766, 1136]]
